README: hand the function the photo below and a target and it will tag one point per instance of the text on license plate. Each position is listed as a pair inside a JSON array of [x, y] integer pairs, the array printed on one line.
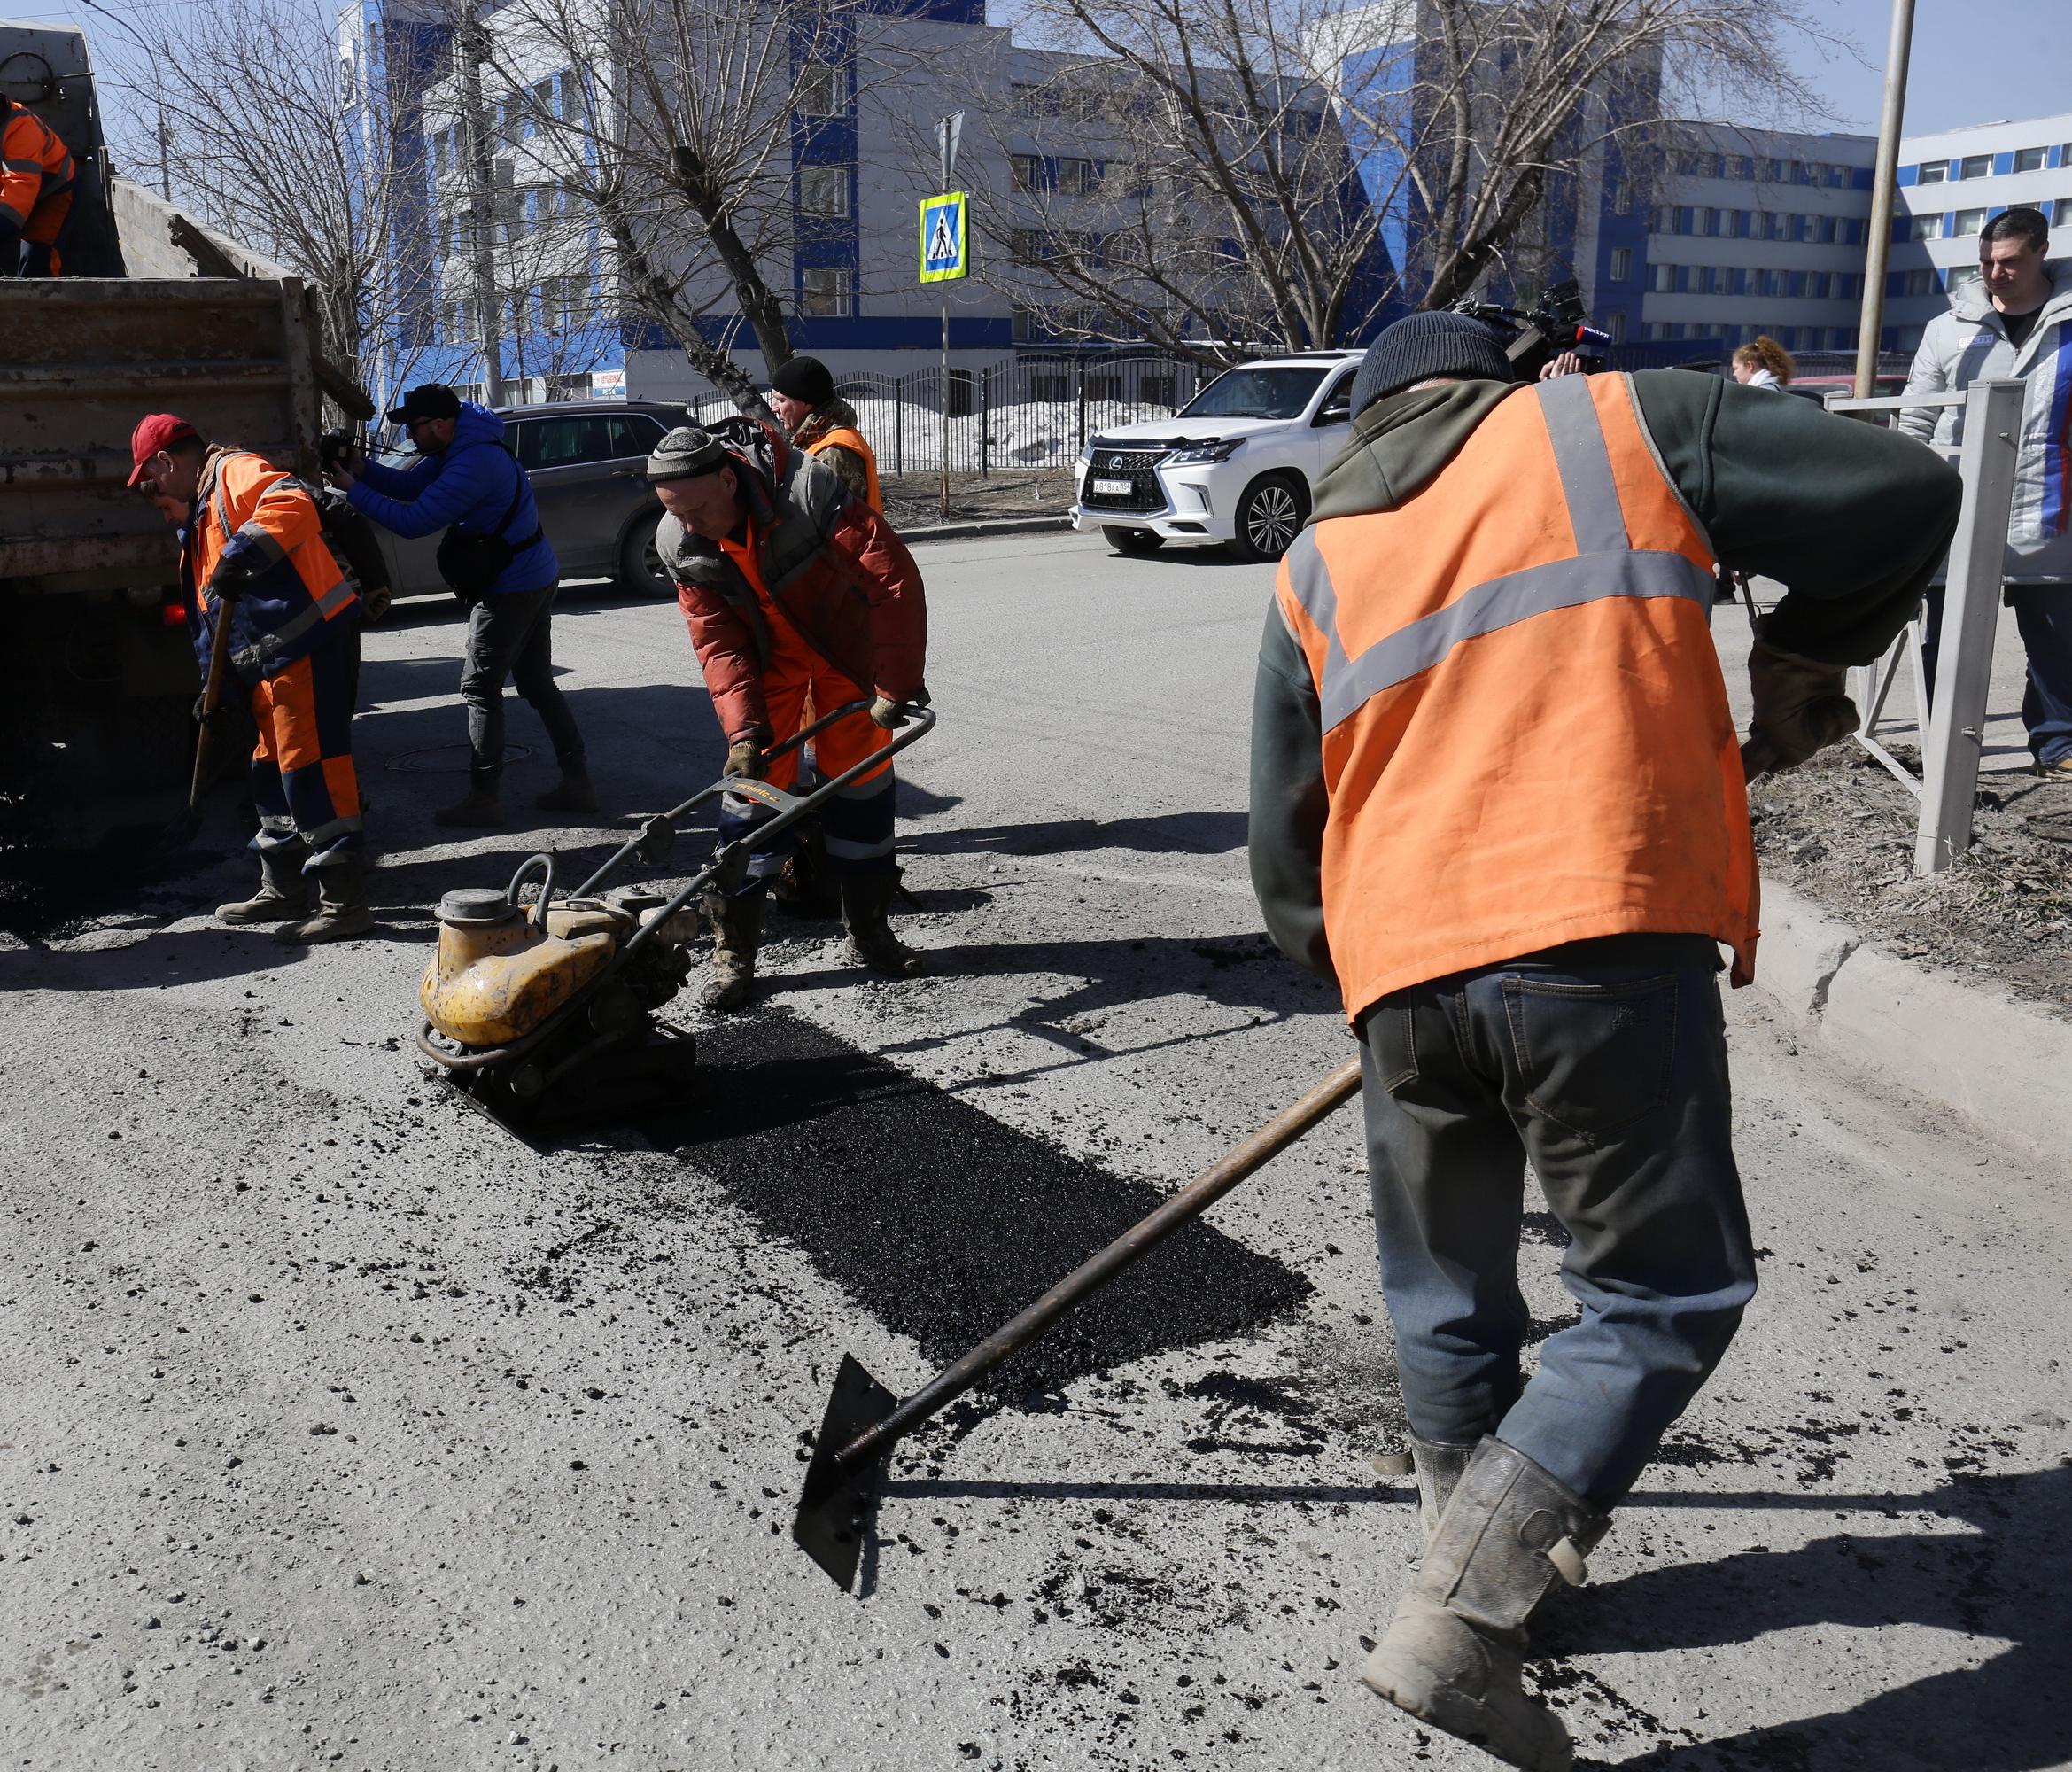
[[1123, 486]]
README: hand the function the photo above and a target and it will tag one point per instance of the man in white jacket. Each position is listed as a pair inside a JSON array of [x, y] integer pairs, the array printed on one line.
[[2016, 321]]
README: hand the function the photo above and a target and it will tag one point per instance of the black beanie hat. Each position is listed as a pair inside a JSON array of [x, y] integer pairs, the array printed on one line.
[[804, 378], [1420, 346]]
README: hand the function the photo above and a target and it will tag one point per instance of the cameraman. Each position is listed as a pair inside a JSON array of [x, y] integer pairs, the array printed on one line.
[[501, 566]]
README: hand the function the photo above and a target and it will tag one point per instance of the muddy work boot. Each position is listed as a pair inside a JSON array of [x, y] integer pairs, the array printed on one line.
[[1455, 1652], [737, 933], [480, 809], [283, 893], [574, 795], [1439, 1469], [867, 901], [342, 907]]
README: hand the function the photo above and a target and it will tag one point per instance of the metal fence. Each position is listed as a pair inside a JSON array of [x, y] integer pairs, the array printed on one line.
[[1019, 415], [1953, 722]]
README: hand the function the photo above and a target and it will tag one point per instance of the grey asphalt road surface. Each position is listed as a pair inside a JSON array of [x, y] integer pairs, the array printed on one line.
[[342, 1428]]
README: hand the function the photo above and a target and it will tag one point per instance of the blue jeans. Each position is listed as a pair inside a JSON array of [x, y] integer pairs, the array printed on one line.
[[2043, 617], [1602, 1063]]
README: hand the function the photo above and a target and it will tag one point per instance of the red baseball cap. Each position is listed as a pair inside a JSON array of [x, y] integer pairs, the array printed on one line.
[[160, 431]]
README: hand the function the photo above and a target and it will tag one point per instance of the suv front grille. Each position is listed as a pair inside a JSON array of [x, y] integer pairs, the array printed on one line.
[[1134, 465]]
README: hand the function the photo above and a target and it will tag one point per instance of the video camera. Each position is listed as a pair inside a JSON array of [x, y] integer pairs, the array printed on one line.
[[335, 447], [1534, 335]]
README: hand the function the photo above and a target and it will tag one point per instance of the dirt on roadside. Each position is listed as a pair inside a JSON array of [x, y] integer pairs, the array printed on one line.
[[915, 500], [1841, 830]]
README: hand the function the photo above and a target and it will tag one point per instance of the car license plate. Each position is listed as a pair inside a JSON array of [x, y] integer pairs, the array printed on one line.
[[1122, 486]]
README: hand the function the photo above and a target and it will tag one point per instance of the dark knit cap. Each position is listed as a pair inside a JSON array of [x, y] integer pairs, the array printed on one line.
[[434, 400], [1420, 346], [804, 378], [684, 454]]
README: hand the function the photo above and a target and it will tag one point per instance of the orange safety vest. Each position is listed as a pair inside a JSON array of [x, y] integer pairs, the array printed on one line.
[[35, 169], [843, 437], [1526, 737], [298, 589]]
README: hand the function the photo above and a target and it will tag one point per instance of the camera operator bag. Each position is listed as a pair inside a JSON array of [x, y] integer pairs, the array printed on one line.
[[469, 562]]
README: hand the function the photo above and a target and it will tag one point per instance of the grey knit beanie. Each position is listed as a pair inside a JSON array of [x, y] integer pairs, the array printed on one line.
[[684, 454], [1420, 346]]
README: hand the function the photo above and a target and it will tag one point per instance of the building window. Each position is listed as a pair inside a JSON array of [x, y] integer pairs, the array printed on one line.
[[1622, 198], [2061, 216], [1934, 172], [1662, 279], [1674, 330], [823, 190], [1701, 221], [823, 90], [1030, 174], [1957, 276], [1919, 283], [1079, 177], [2030, 159], [1974, 165], [1969, 221], [824, 292], [1615, 324], [1837, 178], [1622, 263], [1928, 227]]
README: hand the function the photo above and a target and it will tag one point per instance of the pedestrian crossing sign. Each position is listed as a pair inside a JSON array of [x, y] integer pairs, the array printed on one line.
[[945, 240]]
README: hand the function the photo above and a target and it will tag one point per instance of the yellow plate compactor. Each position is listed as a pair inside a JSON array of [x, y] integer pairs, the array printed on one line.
[[544, 1013]]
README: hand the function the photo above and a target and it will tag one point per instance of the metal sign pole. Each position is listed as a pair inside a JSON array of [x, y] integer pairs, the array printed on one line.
[[1882, 188], [947, 132]]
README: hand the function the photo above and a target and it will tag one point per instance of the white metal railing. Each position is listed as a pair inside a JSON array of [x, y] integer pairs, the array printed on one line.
[[1953, 721]]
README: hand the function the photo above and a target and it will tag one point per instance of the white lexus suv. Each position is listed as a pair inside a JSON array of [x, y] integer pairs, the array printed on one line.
[[1236, 465]]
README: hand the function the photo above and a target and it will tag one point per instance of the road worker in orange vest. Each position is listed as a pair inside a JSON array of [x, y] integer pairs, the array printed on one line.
[[1497, 798], [37, 173], [801, 394], [253, 555]]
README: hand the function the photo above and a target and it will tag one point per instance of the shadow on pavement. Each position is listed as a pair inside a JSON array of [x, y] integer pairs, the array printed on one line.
[[1161, 833], [2004, 1579]]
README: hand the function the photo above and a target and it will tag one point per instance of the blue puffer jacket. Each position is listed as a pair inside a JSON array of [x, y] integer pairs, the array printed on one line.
[[470, 485]]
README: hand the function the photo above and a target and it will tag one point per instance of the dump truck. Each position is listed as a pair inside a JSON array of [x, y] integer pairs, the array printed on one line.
[[95, 732]]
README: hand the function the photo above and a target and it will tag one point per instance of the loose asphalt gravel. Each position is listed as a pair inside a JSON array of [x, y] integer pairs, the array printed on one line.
[[343, 1428]]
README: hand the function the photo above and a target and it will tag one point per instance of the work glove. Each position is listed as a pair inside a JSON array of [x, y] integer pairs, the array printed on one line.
[[375, 604], [233, 572], [890, 713], [215, 722], [1801, 707], [744, 759]]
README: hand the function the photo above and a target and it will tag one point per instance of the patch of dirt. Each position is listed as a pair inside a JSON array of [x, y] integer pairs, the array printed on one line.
[[1841, 830], [915, 500]]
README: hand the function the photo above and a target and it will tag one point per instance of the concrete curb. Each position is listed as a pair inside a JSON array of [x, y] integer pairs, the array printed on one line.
[[984, 527], [2001, 1064]]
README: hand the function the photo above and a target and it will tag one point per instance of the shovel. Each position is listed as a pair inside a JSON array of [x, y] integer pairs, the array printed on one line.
[[864, 1420]]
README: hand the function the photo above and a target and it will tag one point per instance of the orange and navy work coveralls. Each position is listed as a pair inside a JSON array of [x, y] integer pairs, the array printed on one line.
[[291, 625], [37, 173]]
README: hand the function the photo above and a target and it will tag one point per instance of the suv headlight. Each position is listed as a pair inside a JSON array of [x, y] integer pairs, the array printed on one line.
[[1214, 451]]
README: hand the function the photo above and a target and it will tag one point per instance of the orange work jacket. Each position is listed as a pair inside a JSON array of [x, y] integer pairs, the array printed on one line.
[[35, 169], [246, 506], [1526, 738], [843, 437]]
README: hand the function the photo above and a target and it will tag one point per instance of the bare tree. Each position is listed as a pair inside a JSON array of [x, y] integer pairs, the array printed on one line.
[[1265, 150], [680, 131], [266, 137]]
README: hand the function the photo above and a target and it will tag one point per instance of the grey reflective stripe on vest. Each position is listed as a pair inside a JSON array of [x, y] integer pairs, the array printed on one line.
[[1605, 565], [1584, 461], [1517, 596]]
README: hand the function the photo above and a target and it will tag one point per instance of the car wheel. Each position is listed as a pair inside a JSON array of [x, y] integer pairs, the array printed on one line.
[[1270, 516], [641, 571], [1132, 541]]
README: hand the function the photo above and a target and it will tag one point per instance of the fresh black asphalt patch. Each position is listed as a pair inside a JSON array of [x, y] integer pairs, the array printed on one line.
[[942, 1221]]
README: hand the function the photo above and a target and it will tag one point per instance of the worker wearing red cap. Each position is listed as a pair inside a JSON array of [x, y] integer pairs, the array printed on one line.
[[252, 553], [36, 177]]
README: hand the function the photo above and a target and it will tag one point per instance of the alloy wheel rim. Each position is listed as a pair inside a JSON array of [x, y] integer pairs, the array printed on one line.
[[1272, 525]]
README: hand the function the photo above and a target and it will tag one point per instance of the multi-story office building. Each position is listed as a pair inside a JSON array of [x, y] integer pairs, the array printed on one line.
[[1950, 185]]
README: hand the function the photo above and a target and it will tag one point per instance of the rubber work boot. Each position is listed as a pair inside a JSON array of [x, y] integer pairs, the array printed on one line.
[[866, 900], [284, 893], [1438, 1468], [480, 809], [574, 795], [1453, 1652], [737, 933], [342, 908]]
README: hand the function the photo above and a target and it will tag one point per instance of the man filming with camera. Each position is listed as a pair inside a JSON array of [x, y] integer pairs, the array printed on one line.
[[500, 563]]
